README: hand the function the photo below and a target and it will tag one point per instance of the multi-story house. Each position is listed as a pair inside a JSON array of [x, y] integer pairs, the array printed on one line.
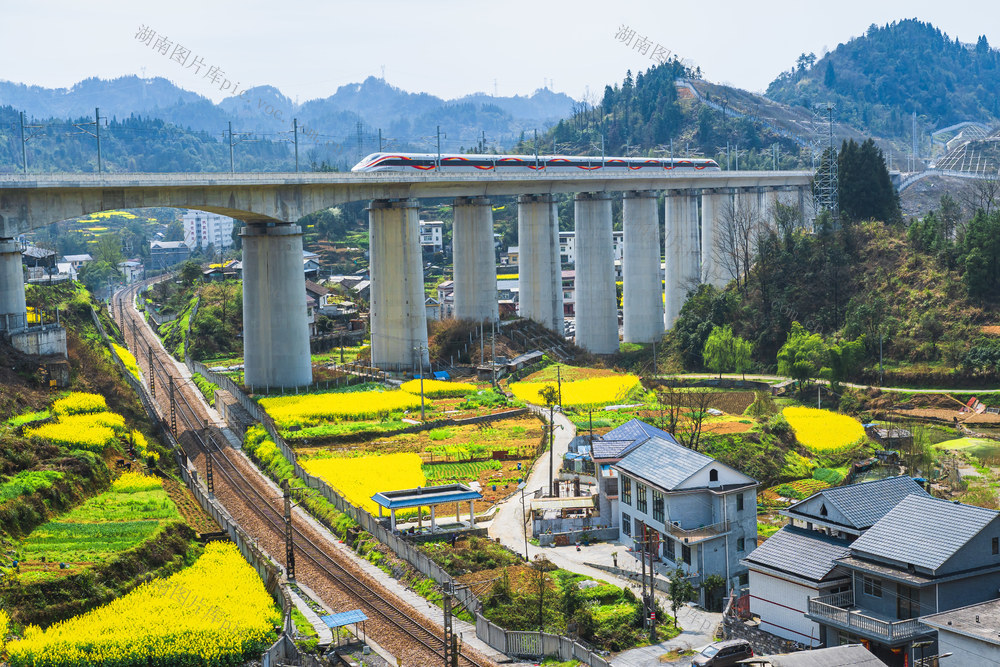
[[432, 236], [925, 556], [800, 561], [696, 513]]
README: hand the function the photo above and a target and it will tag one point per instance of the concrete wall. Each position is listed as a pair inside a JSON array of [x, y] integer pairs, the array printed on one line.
[[11, 286], [475, 262], [596, 299], [539, 272], [41, 341], [781, 605], [398, 316], [966, 651], [275, 327], [642, 294]]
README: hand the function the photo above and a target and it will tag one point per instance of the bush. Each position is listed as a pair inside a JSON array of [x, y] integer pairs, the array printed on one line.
[[778, 425], [79, 402], [828, 475]]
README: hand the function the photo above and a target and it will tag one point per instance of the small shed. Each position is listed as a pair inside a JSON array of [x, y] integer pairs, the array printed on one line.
[[429, 496]]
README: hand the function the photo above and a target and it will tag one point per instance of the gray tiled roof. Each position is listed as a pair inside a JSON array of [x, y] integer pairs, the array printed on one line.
[[663, 462], [619, 441], [864, 504], [809, 554], [848, 655], [924, 531], [635, 429]]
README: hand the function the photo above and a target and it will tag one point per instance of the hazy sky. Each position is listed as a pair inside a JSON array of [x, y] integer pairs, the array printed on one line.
[[445, 47]]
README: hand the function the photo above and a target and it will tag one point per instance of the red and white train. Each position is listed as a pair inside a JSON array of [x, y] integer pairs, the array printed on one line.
[[403, 162]]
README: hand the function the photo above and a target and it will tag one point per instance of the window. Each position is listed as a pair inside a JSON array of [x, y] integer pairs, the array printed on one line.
[[907, 602], [996, 546], [686, 554], [713, 475], [627, 490], [739, 502], [745, 579], [627, 524], [822, 509], [640, 497], [668, 549], [872, 587], [657, 506], [741, 544]]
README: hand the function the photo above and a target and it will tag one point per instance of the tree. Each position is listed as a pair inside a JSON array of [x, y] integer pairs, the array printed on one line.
[[680, 591], [109, 249], [718, 352], [829, 77], [175, 231], [190, 272], [803, 355], [980, 255], [95, 275], [725, 352], [844, 360], [981, 194], [738, 237], [865, 191], [698, 401]]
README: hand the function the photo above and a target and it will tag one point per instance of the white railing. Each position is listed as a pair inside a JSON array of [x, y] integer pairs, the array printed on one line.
[[836, 608]]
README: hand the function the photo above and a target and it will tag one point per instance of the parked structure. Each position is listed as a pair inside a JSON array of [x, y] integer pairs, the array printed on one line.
[[698, 513]]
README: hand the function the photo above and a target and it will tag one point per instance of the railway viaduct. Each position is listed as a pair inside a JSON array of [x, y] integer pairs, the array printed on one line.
[[276, 340]]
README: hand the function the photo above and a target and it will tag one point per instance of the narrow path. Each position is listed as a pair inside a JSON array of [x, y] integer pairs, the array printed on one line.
[[852, 385]]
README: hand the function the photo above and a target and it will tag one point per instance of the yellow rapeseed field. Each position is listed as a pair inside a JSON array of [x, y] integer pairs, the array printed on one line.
[[360, 478], [438, 388], [129, 360], [134, 482], [314, 409], [822, 431], [93, 431], [592, 391], [79, 402], [214, 613]]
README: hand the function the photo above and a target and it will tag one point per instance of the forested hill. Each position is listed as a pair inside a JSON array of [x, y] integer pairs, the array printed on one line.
[[878, 80], [648, 115]]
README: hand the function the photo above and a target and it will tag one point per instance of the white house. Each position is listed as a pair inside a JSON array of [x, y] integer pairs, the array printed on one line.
[[202, 230], [968, 635], [698, 513], [432, 235]]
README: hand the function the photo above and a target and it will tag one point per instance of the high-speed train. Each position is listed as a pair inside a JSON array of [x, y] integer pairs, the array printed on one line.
[[450, 162]]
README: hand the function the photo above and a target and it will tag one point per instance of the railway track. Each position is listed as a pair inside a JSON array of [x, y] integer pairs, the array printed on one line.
[[250, 499]]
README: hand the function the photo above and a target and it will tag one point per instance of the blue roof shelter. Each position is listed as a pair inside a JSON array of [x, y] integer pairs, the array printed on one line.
[[430, 496]]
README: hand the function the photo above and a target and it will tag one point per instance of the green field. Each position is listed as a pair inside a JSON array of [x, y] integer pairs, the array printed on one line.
[[100, 529]]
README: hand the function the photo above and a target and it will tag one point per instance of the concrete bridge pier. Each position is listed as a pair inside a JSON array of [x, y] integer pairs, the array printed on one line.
[[398, 311], [539, 282], [682, 250], [275, 330], [714, 207], [642, 291], [13, 313], [475, 260], [596, 300]]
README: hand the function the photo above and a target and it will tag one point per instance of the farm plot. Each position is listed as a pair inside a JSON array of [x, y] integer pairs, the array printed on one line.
[[212, 614], [134, 510]]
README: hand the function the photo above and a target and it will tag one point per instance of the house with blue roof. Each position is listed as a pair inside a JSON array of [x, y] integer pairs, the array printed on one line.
[[924, 557], [612, 447], [801, 561], [693, 511]]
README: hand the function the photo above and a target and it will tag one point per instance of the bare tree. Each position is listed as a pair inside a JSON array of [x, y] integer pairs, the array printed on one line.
[[981, 194], [697, 401], [741, 224], [669, 400]]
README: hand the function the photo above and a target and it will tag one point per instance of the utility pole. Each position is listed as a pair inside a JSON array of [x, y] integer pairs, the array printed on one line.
[[642, 564], [209, 477], [173, 408], [380, 140], [652, 595], [97, 133], [559, 382], [536, 150], [289, 546], [450, 639], [232, 161], [439, 146], [152, 375], [295, 134]]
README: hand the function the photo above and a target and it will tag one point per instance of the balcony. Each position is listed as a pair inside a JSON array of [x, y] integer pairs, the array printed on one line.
[[695, 535], [838, 610]]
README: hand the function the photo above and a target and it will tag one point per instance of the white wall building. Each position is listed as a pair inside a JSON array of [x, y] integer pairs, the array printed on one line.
[[207, 229], [432, 235]]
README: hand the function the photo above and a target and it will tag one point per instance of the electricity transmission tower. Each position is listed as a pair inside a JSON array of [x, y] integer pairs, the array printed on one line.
[[825, 192]]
